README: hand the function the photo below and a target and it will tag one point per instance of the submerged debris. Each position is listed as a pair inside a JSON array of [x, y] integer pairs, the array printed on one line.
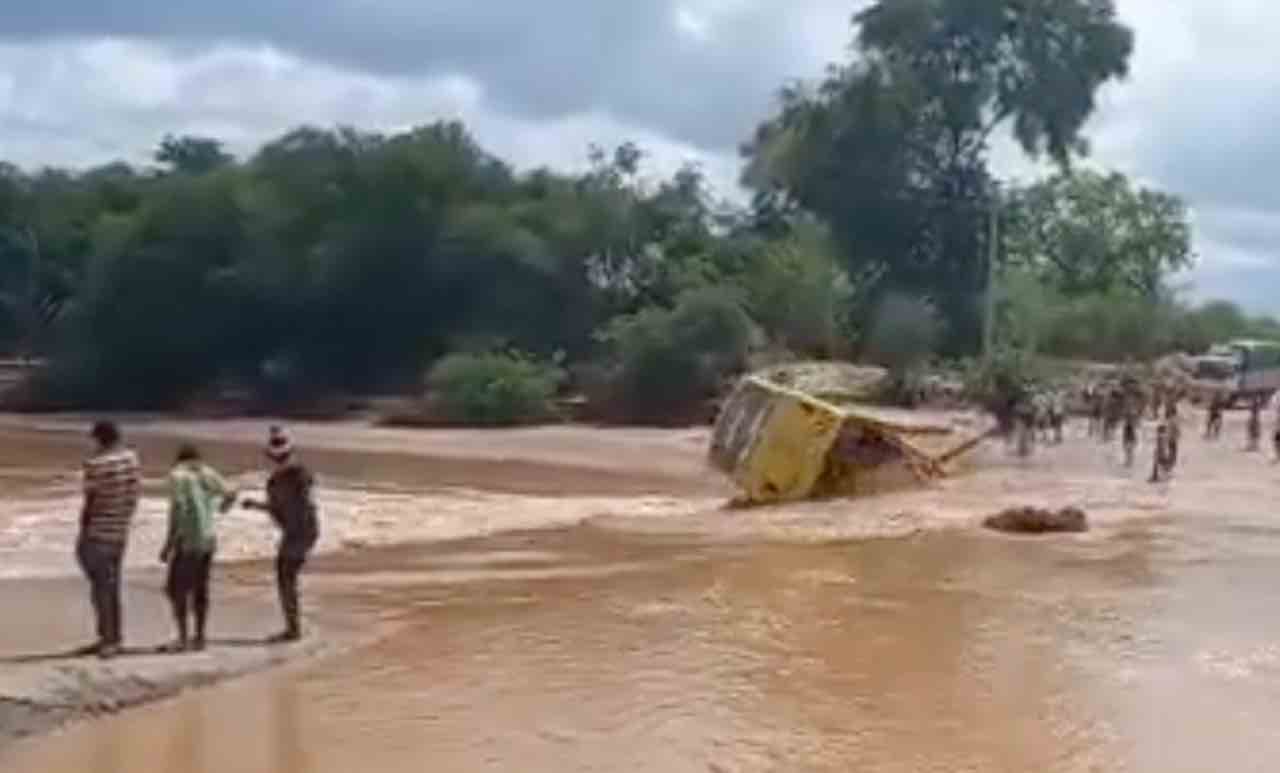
[[1036, 520]]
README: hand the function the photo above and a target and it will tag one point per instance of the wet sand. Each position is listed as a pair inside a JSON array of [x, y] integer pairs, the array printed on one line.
[[888, 634], [44, 683]]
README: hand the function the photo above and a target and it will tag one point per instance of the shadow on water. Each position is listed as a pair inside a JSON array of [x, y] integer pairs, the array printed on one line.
[[247, 641], [79, 653], [90, 652]]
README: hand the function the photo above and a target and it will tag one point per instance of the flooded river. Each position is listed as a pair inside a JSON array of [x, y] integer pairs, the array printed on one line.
[[656, 633]]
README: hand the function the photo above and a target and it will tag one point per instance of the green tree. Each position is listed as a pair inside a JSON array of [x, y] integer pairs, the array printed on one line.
[[799, 293], [192, 155], [1088, 232], [892, 151], [661, 365]]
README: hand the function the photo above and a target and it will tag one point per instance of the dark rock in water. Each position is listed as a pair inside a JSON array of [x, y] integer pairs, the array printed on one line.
[[1035, 520]]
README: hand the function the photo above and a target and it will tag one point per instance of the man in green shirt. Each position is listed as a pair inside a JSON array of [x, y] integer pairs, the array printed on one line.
[[196, 495]]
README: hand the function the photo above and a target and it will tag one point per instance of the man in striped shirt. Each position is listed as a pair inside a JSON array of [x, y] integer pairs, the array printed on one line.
[[112, 484]]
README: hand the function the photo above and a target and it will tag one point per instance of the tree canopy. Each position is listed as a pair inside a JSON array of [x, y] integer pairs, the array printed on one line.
[[1089, 232], [892, 150]]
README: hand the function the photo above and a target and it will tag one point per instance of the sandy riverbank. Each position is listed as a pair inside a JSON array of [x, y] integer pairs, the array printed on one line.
[[44, 684]]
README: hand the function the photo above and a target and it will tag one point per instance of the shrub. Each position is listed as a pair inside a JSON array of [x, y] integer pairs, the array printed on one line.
[[904, 333], [1005, 377], [799, 293], [663, 365], [494, 389], [902, 337]]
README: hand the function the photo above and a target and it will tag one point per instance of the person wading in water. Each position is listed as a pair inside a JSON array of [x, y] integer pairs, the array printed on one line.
[[291, 505], [1173, 426], [196, 494], [1255, 425], [1213, 426], [1161, 463], [1129, 438]]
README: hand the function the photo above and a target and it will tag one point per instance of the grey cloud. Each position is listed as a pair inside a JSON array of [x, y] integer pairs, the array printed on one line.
[[1254, 288], [535, 60], [82, 104], [1196, 119]]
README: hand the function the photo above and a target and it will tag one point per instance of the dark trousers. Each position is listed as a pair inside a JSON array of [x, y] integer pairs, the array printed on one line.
[[101, 564], [188, 589], [289, 565]]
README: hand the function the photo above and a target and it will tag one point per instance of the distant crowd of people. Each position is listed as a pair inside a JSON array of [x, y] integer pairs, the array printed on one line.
[[1122, 406], [197, 495], [1119, 407]]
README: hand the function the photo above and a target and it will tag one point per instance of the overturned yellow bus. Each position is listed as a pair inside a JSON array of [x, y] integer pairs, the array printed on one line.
[[779, 445]]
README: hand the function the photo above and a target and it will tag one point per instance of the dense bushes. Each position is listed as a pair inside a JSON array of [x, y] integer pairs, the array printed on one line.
[[662, 365], [340, 262], [903, 336], [797, 291], [1001, 379], [493, 389]]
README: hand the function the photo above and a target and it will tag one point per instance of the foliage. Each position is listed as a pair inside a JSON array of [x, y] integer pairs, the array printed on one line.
[[1115, 325], [192, 155], [345, 260], [902, 337], [336, 262], [1088, 233], [800, 295], [494, 389], [904, 334], [662, 365], [1003, 377], [892, 151]]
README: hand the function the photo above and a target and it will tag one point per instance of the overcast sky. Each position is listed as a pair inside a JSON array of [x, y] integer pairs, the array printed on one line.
[[87, 81]]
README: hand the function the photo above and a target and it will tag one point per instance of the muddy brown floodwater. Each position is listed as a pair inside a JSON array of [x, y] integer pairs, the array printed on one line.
[[654, 632]]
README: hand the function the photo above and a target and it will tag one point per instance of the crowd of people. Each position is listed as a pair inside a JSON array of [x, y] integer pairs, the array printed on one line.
[[1119, 407], [197, 495]]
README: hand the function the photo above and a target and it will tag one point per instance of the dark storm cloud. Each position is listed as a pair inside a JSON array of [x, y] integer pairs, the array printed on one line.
[[535, 60]]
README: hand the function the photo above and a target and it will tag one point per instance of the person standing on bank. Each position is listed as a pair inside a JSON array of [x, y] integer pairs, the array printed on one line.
[[196, 494], [112, 486], [291, 504]]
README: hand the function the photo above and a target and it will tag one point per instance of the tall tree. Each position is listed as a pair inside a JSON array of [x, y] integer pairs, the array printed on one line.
[[192, 155], [1089, 232], [893, 149]]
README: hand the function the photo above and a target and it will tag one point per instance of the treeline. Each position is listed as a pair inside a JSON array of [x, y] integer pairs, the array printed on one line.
[[350, 261], [344, 261]]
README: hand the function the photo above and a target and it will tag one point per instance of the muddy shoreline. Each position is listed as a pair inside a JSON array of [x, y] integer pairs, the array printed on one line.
[[45, 685]]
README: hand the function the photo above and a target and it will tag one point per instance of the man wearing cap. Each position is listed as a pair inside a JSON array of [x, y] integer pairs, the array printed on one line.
[[112, 485], [292, 507]]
